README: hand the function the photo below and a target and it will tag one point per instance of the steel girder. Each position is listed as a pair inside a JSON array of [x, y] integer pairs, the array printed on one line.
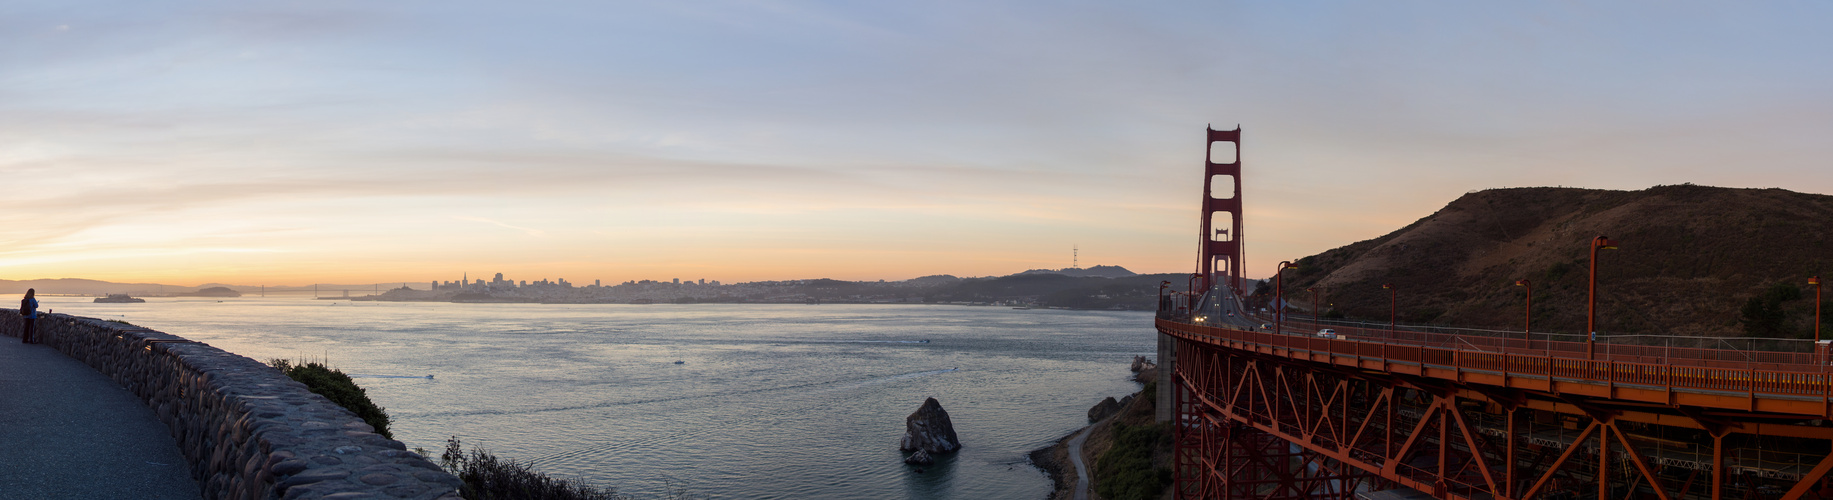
[[1250, 425]]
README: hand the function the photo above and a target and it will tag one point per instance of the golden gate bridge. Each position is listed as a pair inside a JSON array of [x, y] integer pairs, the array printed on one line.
[[1276, 408]]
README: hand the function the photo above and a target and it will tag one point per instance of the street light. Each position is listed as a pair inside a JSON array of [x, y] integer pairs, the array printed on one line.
[[1591, 301], [1527, 329], [1161, 298], [1392, 307], [1279, 294]]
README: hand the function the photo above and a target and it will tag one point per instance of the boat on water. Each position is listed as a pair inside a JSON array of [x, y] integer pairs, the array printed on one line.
[[119, 298]]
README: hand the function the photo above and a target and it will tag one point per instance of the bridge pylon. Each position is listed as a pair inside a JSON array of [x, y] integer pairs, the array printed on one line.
[[1220, 241]]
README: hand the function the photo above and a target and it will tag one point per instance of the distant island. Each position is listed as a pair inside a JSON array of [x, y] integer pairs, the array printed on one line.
[[215, 291], [119, 298]]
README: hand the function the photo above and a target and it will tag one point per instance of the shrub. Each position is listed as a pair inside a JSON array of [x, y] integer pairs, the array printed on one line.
[[489, 478], [1125, 471], [1764, 316], [337, 387]]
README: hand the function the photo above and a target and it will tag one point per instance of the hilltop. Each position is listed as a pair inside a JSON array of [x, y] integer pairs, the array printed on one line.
[[1691, 260], [1092, 272]]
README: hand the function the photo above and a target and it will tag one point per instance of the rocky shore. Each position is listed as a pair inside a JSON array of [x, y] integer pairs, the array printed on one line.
[[1135, 409], [1054, 461]]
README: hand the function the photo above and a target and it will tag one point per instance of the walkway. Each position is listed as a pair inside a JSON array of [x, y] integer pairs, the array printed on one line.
[[1075, 456], [67, 431]]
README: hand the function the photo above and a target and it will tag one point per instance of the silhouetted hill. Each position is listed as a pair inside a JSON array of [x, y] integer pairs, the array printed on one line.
[[1690, 261], [215, 291], [82, 286], [1138, 292], [1091, 272]]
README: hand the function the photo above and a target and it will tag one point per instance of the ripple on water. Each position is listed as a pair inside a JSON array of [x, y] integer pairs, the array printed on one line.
[[773, 401]]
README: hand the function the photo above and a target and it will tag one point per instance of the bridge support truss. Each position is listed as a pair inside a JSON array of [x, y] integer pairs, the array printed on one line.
[[1264, 424]]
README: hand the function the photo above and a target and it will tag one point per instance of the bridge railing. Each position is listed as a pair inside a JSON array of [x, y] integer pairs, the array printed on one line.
[[1753, 374], [1742, 352]]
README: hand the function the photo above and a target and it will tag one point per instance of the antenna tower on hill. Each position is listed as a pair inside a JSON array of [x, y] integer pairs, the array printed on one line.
[[1074, 257]]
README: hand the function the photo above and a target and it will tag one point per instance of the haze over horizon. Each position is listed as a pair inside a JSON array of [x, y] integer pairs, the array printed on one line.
[[473, 277], [302, 142]]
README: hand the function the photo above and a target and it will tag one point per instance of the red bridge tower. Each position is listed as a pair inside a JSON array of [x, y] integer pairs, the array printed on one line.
[[1221, 237]]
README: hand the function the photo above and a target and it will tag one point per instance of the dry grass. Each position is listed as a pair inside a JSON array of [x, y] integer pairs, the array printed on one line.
[[1688, 258]]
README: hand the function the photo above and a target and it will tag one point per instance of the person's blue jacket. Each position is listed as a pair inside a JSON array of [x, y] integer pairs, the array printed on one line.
[[31, 308]]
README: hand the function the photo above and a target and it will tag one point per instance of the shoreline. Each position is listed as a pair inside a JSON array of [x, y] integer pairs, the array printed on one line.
[[1053, 460]]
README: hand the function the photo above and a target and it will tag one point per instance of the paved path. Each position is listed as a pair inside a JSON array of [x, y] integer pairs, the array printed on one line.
[[66, 431], [1075, 456]]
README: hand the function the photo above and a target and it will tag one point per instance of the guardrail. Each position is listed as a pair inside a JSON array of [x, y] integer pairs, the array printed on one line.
[[1759, 375], [1692, 351]]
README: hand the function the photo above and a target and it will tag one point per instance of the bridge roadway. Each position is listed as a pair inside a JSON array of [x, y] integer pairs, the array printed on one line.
[[67, 431], [1482, 416]]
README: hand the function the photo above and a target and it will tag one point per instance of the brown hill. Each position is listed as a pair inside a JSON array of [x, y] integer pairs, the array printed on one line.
[[1691, 260]]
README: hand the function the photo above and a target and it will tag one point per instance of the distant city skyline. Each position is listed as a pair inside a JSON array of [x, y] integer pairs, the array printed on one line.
[[466, 279], [199, 142]]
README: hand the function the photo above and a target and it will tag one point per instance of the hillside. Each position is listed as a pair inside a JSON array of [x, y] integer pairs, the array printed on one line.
[[1092, 272], [1691, 260]]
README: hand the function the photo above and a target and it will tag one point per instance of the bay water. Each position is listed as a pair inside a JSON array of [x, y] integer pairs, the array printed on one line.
[[767, 400]]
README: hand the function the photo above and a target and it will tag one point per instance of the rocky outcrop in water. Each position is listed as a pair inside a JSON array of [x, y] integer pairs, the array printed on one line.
[[929, 430], [919, 458], [1144, 370]]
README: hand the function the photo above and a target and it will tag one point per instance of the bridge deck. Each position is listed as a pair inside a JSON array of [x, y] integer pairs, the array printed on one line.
[[1792, 388], [67, 431]]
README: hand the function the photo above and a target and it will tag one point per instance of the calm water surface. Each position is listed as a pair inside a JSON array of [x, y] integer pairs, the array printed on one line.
[[772, 401]]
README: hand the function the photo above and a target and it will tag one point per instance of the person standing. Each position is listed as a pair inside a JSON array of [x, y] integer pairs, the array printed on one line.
[[28, 309]]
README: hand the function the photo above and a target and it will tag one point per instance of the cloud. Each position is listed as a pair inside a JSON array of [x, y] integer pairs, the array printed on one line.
[[529, 231], [960, 126]]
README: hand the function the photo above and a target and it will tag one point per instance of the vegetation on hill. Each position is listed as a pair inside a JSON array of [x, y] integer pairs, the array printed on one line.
[[488, 478], [1125, 471], [1132, 465], [1690, 260], [334, 385]]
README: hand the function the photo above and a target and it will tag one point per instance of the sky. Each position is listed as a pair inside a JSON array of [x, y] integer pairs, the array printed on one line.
[[299, 142]]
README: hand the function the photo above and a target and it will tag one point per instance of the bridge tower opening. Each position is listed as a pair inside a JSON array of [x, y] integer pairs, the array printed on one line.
[[1220, 241]]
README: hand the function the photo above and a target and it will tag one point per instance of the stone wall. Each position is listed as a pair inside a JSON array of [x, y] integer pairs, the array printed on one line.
[[249, 431]]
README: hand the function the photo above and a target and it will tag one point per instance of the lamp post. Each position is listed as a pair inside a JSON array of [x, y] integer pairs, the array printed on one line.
[[1591, 300], [1392, 307], [1527, 328], [1279, 294], [1161, 298], [1816, 282]]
